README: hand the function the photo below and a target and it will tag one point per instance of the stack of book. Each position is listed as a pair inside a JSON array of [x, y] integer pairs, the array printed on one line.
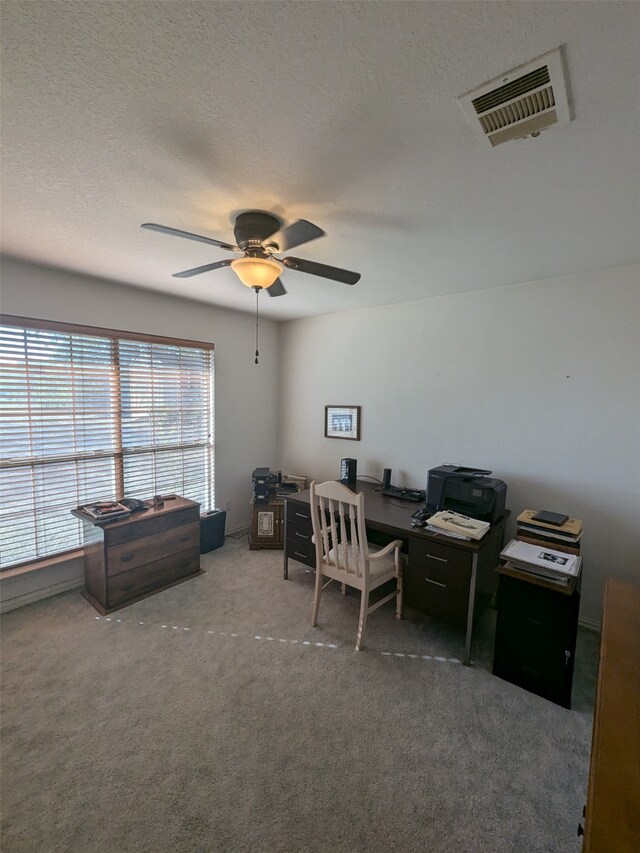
[[285, 490], [562, 533], [557, 567], [457, 525], [290, 484]]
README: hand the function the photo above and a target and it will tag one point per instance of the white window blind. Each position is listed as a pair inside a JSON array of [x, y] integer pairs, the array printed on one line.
[[89, 417]]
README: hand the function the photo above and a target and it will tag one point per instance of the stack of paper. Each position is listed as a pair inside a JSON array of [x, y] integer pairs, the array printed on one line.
[[105, 510], [567, 534], [542, 561], [458, 525]]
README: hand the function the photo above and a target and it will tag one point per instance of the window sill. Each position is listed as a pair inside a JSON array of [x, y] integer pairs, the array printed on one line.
[[46, 563]]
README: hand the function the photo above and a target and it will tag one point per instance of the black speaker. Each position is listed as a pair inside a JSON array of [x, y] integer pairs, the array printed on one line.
[[386, 478], [348, 471]]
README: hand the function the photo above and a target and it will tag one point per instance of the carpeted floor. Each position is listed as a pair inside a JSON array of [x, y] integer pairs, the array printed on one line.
[[212, 717]]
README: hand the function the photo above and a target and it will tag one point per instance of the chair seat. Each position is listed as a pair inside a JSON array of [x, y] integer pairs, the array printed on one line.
[[377, 568]]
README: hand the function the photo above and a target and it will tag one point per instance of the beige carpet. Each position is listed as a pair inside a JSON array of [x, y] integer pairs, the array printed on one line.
[[212, 717]]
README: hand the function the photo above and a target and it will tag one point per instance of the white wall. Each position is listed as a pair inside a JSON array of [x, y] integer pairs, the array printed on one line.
[[538, 382], [245, 393]]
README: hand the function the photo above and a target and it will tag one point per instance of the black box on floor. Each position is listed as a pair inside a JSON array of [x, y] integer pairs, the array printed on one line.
[[212, 530]]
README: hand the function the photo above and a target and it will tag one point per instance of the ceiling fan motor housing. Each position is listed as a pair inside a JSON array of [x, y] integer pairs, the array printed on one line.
[[252, 230], [252, 227]]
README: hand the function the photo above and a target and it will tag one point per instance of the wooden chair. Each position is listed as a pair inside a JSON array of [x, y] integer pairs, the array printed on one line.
[[342, 550]]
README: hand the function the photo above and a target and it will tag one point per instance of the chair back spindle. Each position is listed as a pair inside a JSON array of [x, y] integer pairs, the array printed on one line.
[[342, 550]]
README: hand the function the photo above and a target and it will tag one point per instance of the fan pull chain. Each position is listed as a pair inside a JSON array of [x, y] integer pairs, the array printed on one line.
[[257, 290]]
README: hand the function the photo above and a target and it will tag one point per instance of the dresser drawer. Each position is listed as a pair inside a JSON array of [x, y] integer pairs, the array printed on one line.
[[150, 525], [436, 581], [148, 549], [121, 588]]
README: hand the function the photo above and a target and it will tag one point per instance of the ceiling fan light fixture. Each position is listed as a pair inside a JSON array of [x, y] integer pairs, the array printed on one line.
[[256, 272]]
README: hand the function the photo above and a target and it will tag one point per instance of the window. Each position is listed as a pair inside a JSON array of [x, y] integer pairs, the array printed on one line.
[[90, 414]]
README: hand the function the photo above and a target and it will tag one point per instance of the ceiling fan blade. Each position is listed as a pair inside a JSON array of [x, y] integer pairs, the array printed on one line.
[[198, 270], [164, 229], [277, 288], [313, 268], [294, 235]]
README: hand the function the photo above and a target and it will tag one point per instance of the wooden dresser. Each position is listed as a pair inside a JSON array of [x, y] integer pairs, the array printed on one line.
[[127, 560], [612, 823]]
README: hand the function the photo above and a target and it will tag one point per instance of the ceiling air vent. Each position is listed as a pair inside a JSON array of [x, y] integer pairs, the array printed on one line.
[[520, 103]]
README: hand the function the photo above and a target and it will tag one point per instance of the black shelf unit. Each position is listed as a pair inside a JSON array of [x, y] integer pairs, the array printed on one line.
[[535, 642]]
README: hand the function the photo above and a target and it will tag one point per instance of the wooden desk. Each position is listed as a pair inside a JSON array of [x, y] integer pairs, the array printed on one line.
[[149, 551], [443, 577], [612, 823]]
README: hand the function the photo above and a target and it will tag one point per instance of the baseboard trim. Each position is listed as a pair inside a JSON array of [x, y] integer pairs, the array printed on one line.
[[13, 602], [38, 594], [589, 624], [77, 583], [234, 532]]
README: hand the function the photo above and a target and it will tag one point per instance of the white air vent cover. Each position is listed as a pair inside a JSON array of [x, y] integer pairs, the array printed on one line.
[[521, 103]]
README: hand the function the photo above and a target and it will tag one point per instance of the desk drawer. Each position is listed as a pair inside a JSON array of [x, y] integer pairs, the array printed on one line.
[[299, 533], [149, 577], [304, 551], [436, 581], [125, 557], [296, 536], [299, 519], [438, 555]]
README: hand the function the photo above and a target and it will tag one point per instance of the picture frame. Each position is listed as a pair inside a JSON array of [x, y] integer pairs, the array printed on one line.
[[342, 422]]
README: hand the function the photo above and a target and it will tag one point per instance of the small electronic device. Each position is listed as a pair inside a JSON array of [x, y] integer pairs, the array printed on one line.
[[390, 491], [547, 517], [419, 517], [348, 468], [414, 495], [134, 504], [158, 500]]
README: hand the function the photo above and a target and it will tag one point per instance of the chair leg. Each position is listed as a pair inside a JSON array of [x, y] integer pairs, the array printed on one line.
[[364, 607], [400, 592], [316, 599]]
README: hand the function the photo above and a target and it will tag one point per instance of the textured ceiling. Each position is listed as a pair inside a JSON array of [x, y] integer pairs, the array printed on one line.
[[343, 113]]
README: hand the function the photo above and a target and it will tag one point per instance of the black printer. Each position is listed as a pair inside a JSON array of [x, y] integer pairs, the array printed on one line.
[[469, 491]]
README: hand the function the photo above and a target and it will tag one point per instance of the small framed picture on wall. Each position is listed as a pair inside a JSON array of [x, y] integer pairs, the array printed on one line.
[[342, 422]]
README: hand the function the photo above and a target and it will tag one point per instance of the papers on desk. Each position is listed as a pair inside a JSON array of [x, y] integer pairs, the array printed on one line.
[[542, 561], [440, 531], [458, 525]]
